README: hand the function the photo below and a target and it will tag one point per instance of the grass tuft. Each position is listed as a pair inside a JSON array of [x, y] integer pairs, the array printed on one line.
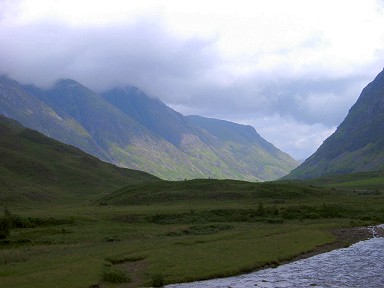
[[114, 275]]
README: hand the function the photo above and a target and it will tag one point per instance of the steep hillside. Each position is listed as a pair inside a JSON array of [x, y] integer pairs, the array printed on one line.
[[126, 127], [358, 143], [151, 113], [35, 167], [104, 122], [21, 103], [242, 147]]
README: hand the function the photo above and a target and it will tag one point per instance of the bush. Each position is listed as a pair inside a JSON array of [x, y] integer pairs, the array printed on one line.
[[113, 275], [157, 280], [5, 227], [10, 221], [275, 220], [206, 229]]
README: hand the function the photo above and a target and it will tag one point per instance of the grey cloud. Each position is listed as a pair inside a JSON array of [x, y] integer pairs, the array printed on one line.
[[312, 101], [307, 101], [143, 54], [179, 71], [183, 73]]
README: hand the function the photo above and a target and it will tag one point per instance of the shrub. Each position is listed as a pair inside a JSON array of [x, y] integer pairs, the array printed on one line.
[[5, 227], [113, 275], [275, 220], [206, 229], [158, 280], [260, 209]]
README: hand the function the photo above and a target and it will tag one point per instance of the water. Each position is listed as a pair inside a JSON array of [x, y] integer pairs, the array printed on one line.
[[360, 265]]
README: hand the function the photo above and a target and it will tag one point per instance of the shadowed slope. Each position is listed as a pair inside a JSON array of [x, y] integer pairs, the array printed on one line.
[[36, 167]]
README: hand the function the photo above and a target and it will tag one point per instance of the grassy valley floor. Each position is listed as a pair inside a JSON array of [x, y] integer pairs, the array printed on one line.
[[179, 232]]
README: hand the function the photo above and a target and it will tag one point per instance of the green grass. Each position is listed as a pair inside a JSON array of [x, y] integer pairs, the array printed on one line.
[[114, 275], [355, 180], [177, 231]]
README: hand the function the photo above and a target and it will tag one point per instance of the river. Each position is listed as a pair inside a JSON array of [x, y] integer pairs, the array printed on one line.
[[360, 265]]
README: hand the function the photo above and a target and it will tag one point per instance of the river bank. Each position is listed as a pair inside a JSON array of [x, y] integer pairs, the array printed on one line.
[[331, 265], [345, 237]]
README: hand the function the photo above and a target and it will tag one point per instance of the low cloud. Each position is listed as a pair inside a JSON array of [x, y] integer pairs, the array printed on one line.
[[295, 92], [295, 138], [143, 54]]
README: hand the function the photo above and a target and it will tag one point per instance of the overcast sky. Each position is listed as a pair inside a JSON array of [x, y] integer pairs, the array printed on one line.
[[291, 69]]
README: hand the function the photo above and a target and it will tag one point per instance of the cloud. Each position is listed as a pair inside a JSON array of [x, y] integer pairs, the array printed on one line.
[[305, 100], [282, 66], [142, 54], [295, 138]]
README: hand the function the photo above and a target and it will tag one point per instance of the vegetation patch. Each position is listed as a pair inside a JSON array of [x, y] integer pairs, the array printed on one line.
[[217, 215], [201, 230], [208, 189], [123, 259], [114, 275], [270, 214], [157, 280]]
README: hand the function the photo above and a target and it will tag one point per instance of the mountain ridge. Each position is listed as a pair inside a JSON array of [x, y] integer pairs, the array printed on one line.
[[126, 127]]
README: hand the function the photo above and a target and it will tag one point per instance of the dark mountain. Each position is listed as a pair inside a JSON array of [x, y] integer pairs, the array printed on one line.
[[104, 122], [35, 167], [125, 141], [131, 129], [358, 143], [151, 113], [21, 103]]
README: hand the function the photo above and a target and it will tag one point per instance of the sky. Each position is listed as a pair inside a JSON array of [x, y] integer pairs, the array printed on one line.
[[291, 69]]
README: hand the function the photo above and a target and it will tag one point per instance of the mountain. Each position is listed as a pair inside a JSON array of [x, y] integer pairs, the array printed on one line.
[[35, 167], [126, 127], [358, 143], [151, 113], [125, 141], [220, 149], [24, 104], [244, 148]]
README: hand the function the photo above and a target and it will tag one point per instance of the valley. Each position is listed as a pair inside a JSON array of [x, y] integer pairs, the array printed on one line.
[[179, 231]]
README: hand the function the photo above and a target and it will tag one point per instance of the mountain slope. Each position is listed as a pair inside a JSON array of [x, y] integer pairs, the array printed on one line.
[[35, 167], [220, 149], [358, 143], [243, 148], [232, 132], [17, 102], [128, 128], [150, 112], [126, 142]]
